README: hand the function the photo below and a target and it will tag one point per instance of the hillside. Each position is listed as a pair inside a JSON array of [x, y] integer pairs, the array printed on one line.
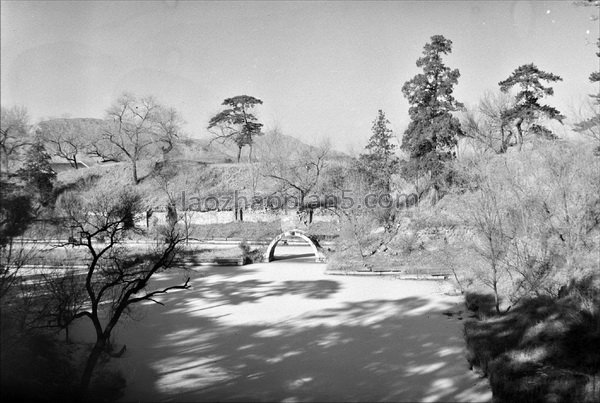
[[198, 167], [208, 150], [88, 130], [189, 148], [82, 130]]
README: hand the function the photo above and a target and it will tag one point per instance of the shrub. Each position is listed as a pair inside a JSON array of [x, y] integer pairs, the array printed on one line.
[[536, 216], [481, 304], [245, 248], [407, 242], [36, 367], [256, 255], [107, 386], [542, 350]]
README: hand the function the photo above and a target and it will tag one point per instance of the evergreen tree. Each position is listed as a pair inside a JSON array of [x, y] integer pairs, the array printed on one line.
[[380, 162], [432, 133], [237, 123], [37, 173], [528, 111]]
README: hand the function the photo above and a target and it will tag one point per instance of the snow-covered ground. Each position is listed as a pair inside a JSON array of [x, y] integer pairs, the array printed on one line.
[[284, 331]]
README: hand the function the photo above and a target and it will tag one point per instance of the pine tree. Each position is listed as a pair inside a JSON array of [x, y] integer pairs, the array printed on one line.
[[37, 173], [237, 123], [528, 110], [380, 162], [432, 133]]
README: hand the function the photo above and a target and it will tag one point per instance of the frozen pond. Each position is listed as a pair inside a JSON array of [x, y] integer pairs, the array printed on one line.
[[284, 331]]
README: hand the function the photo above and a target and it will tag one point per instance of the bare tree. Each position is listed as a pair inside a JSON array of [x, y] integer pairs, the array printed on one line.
[[591, 125], [14, 133], [535, 214], [356, 227], [105, 151], [175, 183], [17, 212], [296, 169], [356, 220], [114, 280], [486, 217], [588, 120], [557, 211], [63, 296], [169, 127], [64, 139], [14, 255], [254, 175], [487, 125], [139, 127]]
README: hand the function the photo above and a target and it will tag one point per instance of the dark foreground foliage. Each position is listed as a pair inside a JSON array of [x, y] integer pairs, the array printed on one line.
[[37, 367], [543, 349]]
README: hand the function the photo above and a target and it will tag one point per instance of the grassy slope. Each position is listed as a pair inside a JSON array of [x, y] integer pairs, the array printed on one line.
[[195, 178], [198, 169], [195, 166]]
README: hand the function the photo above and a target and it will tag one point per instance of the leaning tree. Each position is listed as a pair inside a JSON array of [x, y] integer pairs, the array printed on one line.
[[114, 279], [237, 123]]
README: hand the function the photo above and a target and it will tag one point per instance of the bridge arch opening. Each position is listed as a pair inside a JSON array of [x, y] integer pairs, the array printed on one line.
[[314, 244]]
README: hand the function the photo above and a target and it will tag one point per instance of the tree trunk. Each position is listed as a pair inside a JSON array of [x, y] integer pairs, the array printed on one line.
[[505, 140], [519, 134], [187, 231], [75, 162], [90, 365], [496, 298], [239, 154], [134, 169], [250, 154], [357, 233]]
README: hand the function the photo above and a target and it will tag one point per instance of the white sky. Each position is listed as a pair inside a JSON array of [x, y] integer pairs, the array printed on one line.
[[322, 69]]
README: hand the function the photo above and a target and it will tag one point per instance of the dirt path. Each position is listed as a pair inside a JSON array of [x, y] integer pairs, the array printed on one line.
[[284, 331]]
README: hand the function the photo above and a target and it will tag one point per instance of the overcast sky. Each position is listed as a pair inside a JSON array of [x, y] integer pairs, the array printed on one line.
[[322, 69]]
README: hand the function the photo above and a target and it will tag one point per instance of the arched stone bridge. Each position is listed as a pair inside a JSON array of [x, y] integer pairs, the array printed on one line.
[[314, 244]]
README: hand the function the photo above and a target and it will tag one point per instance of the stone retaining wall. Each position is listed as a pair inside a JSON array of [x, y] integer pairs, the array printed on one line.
[[224, 217]]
